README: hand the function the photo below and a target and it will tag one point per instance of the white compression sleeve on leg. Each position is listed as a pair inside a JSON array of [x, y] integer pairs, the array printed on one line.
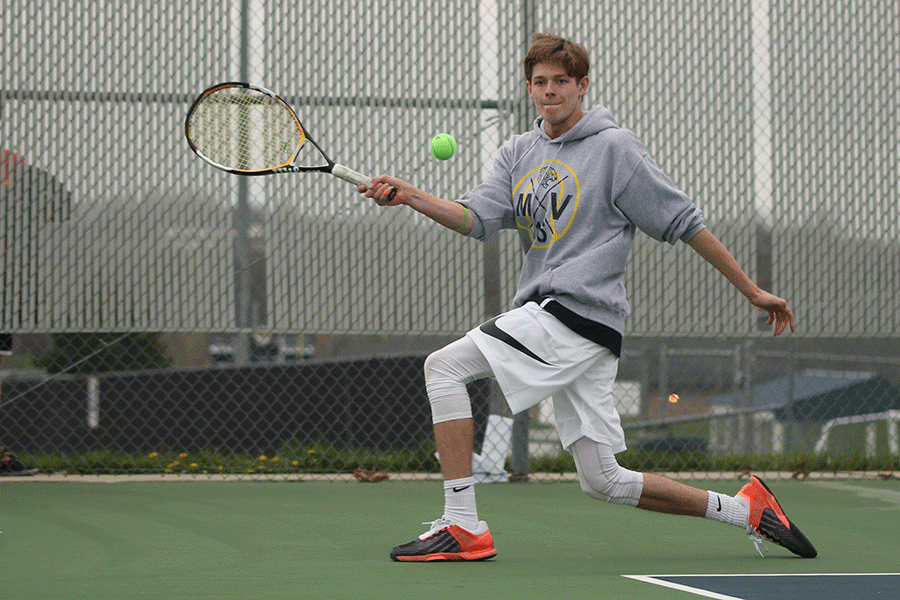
[[447, 371], [602, 477]]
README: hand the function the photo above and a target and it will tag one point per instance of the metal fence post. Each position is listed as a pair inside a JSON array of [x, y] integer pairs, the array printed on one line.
[[749, 428], [663, 380], [519, 458], [789, 429]]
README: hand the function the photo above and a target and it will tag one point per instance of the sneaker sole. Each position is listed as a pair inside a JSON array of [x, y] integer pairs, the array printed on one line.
[[469, 555], [451, 543]]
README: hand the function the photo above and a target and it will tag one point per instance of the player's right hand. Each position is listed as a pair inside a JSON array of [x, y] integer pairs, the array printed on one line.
[[383, 190]]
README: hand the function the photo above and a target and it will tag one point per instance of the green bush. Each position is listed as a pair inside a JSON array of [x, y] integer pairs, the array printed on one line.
[[322, 458], [290, 459]]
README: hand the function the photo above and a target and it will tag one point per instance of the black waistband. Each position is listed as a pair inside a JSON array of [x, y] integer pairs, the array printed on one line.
[[601, 334]]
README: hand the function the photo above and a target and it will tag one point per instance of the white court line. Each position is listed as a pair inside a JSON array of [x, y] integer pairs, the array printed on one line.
[[716, 596], [677, 586], [768, 575], [885, 495]]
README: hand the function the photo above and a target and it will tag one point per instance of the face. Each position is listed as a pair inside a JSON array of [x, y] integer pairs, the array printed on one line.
[[557, 97]]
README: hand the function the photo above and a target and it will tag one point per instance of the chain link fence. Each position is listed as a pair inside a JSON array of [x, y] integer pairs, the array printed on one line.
[[166, 317]]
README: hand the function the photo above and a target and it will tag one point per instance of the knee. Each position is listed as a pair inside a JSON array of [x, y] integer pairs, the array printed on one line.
[[432, 367], [442, 368], [612, 484], [446, 392], [437, 383], [597, 486]]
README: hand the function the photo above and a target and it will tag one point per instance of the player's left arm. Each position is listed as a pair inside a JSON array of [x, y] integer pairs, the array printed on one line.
[[710, 248]]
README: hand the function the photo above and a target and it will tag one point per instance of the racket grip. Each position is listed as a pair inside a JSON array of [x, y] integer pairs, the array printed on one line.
[[348, 174]]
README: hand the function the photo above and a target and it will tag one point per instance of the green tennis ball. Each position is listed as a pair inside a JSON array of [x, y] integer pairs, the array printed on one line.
[[443, 146]]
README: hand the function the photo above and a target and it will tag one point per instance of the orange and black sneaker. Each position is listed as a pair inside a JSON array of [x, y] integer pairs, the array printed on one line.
[[446, 541], [768, 520]]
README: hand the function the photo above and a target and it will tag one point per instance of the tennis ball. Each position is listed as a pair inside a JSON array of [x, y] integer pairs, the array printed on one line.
[[443, 146]]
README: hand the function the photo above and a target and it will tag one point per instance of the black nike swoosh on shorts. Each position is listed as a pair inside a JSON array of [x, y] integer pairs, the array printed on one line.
[[490, 328]]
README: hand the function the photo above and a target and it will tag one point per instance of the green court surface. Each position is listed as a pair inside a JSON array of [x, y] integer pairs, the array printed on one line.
[[330, 540]]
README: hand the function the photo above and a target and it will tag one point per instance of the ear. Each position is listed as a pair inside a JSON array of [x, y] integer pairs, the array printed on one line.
[[583, 85]]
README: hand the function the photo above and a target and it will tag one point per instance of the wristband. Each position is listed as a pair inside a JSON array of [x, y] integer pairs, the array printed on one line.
[[465, 221]]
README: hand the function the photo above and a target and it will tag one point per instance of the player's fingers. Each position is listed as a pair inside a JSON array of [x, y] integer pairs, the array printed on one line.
[[383, 193], [380, 180], [780, 324], [782, 320]]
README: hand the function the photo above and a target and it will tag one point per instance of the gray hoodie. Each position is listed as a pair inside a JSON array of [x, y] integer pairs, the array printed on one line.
[[576, 201]]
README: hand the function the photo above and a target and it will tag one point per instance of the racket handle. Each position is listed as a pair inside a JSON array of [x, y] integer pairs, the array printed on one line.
[[348, 174]]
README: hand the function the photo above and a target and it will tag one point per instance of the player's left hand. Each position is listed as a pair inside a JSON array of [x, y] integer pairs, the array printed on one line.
[[779, 312]]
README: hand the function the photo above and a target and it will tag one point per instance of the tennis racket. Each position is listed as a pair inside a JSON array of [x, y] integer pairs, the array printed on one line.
[[248, 130]]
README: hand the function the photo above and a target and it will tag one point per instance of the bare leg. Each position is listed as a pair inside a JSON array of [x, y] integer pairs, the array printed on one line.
[[661, 494], [455, 440]]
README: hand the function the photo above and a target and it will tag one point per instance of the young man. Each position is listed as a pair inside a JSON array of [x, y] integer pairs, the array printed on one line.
[[577, 187]]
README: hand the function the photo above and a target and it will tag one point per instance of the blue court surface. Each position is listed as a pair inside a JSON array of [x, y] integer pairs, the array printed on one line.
[[810, 586]]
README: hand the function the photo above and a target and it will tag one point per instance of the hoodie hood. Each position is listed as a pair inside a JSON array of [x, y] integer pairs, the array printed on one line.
[[594, 121]]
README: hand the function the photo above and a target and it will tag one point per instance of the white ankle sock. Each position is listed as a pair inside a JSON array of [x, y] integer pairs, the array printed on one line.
[[459, 502], [727, 509]]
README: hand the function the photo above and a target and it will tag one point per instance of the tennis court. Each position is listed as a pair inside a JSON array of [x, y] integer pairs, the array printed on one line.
[[313, 539], [163, 316]]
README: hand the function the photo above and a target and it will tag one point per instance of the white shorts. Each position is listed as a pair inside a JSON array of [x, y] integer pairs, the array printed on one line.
[[534, 356]]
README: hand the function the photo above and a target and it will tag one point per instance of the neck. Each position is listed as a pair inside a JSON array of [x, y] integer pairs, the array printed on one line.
[[554, 130]]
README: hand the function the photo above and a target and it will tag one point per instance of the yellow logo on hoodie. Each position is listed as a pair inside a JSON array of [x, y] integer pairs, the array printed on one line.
[[546, 200]]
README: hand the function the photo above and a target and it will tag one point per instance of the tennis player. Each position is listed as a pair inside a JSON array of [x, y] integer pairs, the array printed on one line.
[[576, 187]]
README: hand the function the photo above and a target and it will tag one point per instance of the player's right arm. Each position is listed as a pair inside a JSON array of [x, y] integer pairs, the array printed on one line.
[[448, 213]]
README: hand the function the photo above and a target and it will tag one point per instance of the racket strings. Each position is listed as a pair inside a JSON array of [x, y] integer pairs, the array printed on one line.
[[244, 129]]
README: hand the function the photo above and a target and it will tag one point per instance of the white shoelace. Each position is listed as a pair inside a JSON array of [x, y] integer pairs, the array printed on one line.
[[758, 542], [435, 526]]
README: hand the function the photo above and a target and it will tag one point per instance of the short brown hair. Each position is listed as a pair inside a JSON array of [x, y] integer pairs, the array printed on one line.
[[548, 48]]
